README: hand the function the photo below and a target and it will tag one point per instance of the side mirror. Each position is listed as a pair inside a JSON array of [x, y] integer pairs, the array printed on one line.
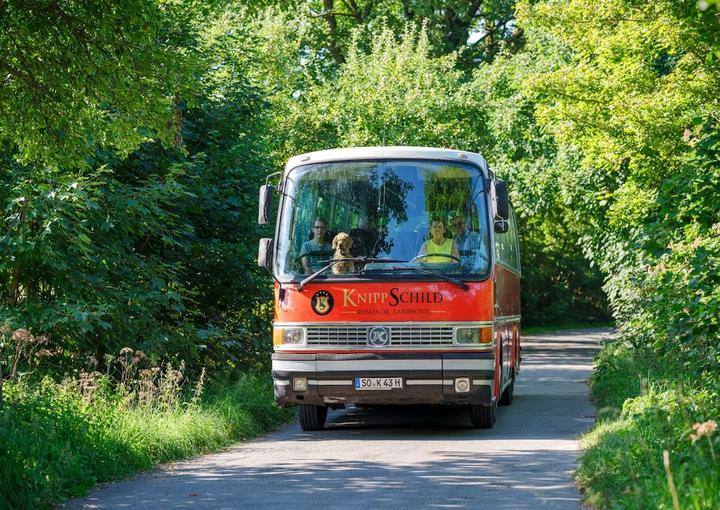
[[501, 226], [265, 204], [503, 200], [265, 253]]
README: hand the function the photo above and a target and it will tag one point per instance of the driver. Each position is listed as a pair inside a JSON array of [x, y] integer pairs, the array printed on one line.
[[317, 243], [437, 249], [471, 246]]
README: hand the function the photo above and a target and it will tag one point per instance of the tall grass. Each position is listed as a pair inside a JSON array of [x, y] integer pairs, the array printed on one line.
[[58, 439], [648, 406]]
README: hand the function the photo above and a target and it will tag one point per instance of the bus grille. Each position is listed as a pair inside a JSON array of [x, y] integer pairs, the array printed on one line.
[[400, 336]]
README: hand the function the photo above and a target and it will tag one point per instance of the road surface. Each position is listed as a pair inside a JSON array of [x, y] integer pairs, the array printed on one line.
[[400, 457]]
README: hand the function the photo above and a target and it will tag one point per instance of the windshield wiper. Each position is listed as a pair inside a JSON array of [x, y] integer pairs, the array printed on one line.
[[450, 279], [361, 260]]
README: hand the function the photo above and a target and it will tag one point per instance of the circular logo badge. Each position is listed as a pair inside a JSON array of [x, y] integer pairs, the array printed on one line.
[[322, 302], [379, 336]]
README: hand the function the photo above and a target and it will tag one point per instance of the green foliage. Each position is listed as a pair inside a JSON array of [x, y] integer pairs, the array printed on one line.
[[634, 101], [476, 30], [76, 269], [559, 283], [646, 407], [395, 94], [132, 145], [70, 85], [150, 251], [632, 111], [57, 441]]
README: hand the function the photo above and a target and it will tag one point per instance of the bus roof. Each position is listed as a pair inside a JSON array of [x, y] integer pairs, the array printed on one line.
[[360, 153]]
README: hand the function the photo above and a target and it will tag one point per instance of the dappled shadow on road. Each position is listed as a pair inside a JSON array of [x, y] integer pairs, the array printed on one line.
[[517, 479], [399, 457], [408, 423]]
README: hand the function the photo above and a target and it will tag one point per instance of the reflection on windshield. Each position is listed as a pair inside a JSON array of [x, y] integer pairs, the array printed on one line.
[[424, 214]]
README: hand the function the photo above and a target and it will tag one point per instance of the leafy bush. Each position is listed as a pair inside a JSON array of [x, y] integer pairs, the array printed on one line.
[[151, 251], [647, 407], [58, 440]]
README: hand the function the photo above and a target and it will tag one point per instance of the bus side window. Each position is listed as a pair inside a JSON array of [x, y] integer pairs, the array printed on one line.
[[501, 248], [514, 240], [506, 245]]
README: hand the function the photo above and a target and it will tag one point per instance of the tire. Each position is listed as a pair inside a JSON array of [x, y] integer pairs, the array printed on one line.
[[507, 396], [312, 417], [482, 417]]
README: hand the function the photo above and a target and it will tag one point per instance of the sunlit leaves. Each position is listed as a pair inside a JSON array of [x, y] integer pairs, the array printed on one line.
[[81, 74]]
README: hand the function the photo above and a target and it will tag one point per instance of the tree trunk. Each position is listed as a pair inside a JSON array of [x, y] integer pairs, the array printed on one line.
[[12, 298], [178, 141], [18, 354], [1, 380], [333, 46]]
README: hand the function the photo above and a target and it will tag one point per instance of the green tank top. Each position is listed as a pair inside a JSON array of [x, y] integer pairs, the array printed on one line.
[[442, 249]]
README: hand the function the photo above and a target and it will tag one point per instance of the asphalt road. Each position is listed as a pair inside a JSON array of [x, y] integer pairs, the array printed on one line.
[[400, 457]]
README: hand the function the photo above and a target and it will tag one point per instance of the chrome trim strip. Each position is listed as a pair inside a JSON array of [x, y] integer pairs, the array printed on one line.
[[329, 383], [379, 364], [397, 348], [282, 382], [428, 382], [468, 364], [403, 335], [294, 366], [483, 382]]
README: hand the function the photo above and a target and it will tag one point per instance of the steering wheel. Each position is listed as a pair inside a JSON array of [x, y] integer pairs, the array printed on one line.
[[426, 255]]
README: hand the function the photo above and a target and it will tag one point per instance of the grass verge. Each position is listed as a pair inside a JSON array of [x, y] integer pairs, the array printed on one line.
[[647, 406], [56, 441]]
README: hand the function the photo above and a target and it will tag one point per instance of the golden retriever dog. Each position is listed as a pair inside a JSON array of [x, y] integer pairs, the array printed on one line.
[[342, 244]]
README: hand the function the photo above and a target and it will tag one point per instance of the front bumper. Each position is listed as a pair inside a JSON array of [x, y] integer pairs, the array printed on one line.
[[428, 378]]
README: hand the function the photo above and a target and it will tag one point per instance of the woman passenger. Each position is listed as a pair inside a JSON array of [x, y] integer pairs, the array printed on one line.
[[437, 249]]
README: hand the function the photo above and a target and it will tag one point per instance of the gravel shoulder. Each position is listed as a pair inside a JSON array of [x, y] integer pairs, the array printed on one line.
[[401, 457]]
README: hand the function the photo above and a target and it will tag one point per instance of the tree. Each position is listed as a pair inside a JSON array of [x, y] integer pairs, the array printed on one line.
[[147, 250], [559, 283], [80, 74], [637, 93], [475, 29], [397, 93]]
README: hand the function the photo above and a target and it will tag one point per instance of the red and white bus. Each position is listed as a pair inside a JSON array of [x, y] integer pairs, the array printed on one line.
[[422, 306]]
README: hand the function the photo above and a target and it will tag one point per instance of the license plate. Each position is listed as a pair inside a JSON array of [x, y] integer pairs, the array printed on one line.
[[378, 383]]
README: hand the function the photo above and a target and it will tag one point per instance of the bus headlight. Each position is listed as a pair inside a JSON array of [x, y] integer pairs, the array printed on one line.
[[288, 336], [473, 335]]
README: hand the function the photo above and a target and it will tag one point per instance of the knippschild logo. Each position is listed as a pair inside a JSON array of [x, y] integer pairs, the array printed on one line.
[[379, 336], [322, 302]]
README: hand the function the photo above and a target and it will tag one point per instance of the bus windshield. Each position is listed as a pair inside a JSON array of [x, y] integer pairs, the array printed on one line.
[[412, 218]]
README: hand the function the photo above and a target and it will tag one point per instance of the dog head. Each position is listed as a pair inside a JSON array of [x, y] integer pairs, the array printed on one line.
[[342, 243]]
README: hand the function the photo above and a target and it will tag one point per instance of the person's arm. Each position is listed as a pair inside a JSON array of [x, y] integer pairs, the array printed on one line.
[[454, 250], [306, 265], [305, 259]]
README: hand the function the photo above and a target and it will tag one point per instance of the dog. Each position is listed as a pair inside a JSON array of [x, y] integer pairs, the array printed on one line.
[[342, 244]]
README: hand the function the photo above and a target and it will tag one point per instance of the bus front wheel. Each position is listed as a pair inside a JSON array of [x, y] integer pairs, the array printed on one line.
[[482, 417], [312, 417]]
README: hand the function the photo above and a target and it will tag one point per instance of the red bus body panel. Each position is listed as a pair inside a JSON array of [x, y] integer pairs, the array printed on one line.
[[431, 371], [388, 302]]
